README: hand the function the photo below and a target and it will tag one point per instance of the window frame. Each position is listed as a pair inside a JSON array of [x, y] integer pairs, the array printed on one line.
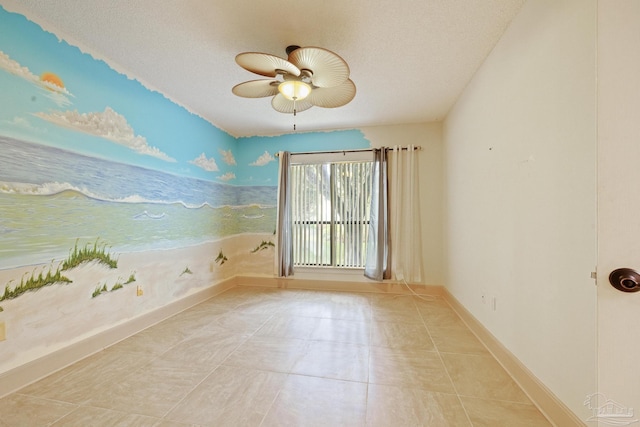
[[364, 155]]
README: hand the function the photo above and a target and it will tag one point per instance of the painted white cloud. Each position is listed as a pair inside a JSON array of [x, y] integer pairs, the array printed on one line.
[[227, 176], [227, 157], [13, 67], [108, 125], [263, 160], [57, 97], [20, 122], [207, 164], [57, 94]]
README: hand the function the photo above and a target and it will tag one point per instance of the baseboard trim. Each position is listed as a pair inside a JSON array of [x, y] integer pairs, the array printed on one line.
[[552, 407], [30, 372], [338, 285]]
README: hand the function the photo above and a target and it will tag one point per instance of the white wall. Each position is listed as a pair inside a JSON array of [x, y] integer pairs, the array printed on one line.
[[618, 198], [519, 172], [429, 137]]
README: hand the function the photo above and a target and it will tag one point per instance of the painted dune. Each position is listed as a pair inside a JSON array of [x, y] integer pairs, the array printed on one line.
[[42, 321]]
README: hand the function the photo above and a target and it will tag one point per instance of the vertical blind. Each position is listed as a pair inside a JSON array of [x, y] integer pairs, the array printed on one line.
[[330, 213]]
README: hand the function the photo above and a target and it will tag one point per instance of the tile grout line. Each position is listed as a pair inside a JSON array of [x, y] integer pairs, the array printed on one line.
[[443, 364], [197, 384], [371, 326], [217, 366]]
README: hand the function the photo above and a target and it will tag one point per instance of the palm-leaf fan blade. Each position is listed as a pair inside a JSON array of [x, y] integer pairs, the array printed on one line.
[[328, 68], [256, 88], [332, 97], [265, 64]]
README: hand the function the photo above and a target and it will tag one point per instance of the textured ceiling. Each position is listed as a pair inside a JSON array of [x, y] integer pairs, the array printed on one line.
[[409, 59]]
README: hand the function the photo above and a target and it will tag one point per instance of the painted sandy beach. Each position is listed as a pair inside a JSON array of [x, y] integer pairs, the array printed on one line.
[[163, 275]]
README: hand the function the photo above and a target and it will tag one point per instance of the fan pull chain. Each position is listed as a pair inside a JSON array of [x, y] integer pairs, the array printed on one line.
[[294, 114]]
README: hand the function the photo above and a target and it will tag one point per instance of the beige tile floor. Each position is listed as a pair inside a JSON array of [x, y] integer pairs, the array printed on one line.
[[269, 357]]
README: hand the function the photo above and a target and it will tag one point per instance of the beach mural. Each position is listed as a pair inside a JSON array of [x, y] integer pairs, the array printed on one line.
[[115, 201]]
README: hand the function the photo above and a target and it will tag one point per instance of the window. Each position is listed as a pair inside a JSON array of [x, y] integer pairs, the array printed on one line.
[[330, 213]]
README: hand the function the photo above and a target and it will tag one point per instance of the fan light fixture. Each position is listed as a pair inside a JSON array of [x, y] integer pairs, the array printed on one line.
[[294, 90], [310, 76]]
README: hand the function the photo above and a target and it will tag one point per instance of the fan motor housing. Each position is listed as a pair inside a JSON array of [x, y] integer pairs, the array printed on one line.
[[291, 48]]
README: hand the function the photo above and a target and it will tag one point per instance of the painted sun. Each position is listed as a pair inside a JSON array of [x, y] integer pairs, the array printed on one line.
[[52, 78]]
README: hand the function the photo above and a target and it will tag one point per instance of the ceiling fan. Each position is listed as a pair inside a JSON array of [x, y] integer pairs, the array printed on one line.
[[309, 76]]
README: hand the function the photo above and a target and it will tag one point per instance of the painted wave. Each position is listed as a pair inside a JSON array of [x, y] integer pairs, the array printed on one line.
[[50, 170], [55, 188], [252, 216], [148, 215]]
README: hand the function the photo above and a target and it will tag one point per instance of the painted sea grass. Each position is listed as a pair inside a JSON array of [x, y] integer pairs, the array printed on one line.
[[96, 252], [221, 259], [262, 246], [99, 290], [34, 283]]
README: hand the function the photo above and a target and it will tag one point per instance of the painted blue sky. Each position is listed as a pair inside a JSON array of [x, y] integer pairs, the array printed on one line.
[[89, 108]]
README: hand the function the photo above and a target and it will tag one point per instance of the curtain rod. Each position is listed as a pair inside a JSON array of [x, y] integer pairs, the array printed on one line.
[[362, 150]]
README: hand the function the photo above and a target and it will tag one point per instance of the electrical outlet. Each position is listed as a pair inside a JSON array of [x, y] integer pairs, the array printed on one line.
[[139, 291], [3, 331], [494, 303]]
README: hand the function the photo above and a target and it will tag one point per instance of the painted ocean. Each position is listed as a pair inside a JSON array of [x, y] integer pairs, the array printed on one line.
[[49, 198]]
